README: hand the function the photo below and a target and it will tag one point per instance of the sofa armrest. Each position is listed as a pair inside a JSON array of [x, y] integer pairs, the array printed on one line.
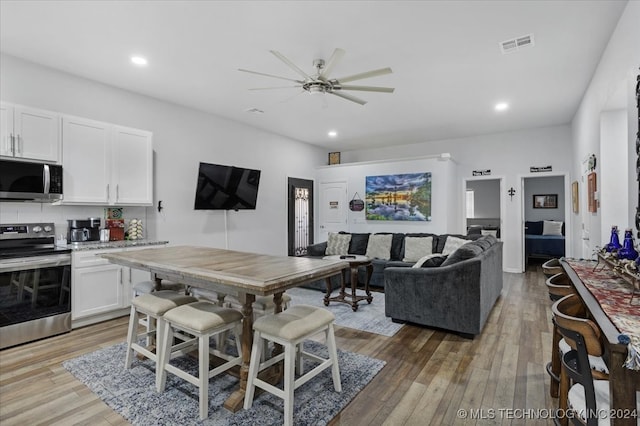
[[317, 249]]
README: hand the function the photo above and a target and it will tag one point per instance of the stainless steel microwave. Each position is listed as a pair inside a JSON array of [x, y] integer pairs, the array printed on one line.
[[26, 181]]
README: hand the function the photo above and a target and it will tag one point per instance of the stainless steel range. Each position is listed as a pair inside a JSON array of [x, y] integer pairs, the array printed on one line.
[[35, 284]]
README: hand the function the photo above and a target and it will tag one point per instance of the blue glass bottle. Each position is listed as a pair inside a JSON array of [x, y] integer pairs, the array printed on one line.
[[628, 251], [614, 242]]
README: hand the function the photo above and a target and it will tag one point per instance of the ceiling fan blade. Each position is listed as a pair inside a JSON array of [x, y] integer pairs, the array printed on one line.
[[270, 75], [331, 63], [291, 64], [348, 97], [368, 74], [367, 88], [271, 88]]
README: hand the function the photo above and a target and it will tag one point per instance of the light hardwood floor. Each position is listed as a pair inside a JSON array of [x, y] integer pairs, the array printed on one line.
[[429, 377]]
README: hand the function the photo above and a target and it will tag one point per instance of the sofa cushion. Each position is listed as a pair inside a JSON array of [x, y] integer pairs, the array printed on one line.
[[358, 244], [483, 242], [430, 261], [338, 244], [442, 240], [379, 246], [397, 245], [464, 252], [452, 243], [417, 247]]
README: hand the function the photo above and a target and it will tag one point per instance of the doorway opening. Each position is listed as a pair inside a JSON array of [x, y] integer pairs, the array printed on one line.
[[544, 217], [299, 216]]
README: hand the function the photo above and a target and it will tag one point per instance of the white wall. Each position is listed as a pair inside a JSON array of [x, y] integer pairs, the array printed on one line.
[[508, 155], [182, 138], [618, 67], [443, 172], [486, 198], [544, 185]]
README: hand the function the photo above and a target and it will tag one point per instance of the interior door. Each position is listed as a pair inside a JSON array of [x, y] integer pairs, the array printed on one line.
[[333, 208], [300, 216]]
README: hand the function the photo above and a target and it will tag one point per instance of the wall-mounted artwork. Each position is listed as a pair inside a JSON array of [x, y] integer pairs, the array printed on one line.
[[399, 197], [545, 201]]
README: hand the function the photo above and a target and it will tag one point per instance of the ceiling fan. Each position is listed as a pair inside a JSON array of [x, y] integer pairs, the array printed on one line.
[[320, 81]]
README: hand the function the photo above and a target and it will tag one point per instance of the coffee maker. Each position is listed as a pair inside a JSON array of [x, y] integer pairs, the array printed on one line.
[[81, 230]]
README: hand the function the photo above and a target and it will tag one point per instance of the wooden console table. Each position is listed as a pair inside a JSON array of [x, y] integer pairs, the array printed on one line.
[[623, 381]]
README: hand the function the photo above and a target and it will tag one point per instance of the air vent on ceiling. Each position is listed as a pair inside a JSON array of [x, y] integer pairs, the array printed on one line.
[[515, 44], [254, 111]]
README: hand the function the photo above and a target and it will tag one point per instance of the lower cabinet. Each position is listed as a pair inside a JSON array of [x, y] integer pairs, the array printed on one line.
[[101, 290]]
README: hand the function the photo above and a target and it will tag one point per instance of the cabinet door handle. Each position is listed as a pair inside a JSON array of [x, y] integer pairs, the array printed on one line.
[[12, 142], [121, 280], [117, 192], [107, 192], [20, 144]]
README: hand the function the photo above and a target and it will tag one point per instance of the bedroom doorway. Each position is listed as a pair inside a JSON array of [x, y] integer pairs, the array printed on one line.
[[545, 213]]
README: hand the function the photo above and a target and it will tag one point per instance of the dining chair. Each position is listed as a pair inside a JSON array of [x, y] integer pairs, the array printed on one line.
[[569, 314]]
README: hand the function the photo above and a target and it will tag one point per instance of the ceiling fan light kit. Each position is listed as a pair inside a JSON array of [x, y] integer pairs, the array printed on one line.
[[320, 82]]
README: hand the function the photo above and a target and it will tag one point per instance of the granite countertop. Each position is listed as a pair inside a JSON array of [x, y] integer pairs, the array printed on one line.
[[97, 245]]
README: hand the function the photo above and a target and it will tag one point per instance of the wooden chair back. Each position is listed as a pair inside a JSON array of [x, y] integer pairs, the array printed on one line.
[[568, 314], [559, 285]]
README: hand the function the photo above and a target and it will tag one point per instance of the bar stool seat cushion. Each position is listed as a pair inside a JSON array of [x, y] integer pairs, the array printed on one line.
[[159, 302], [202, 316], [295, 322], [144, 287]]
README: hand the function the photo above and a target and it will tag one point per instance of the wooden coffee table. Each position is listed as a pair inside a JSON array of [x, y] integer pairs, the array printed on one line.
[[355, 261]]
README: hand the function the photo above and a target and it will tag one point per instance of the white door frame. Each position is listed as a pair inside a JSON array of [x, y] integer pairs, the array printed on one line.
[[568, 237]]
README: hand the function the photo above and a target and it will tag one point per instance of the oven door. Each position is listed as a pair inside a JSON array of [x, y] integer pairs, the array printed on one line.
[[35, 298]]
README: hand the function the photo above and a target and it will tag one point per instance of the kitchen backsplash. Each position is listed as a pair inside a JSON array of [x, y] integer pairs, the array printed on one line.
[[37, 212]]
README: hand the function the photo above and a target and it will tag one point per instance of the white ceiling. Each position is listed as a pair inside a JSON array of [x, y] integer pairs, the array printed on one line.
[[448, 70]]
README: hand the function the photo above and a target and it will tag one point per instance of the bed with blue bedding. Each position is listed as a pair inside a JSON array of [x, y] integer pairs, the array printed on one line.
[[544, 239]]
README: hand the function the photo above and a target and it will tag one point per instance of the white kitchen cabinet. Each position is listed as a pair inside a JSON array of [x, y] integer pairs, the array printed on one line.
[[29, 133], [132, 166], [101, 290], [86, 161], [106, 164]]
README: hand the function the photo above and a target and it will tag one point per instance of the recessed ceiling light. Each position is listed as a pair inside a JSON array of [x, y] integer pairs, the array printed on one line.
[[332, 133], [139, 60], [502, 106]]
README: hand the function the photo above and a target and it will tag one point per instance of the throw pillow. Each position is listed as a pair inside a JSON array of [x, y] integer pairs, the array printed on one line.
[[533, 228], [452, 244], [466, 251], [379, 246], [417, 247], [337, 244], [358, 244], [550, 227], [430, 260], [493, 232]]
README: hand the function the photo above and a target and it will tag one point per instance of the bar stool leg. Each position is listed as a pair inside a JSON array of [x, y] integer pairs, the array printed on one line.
[[289, 377], [131, 335], [254, 366], [203, 376], [333, 354]]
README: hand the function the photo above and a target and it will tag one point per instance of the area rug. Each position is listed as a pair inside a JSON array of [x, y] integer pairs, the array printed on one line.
[[368, 317], [133, 395]]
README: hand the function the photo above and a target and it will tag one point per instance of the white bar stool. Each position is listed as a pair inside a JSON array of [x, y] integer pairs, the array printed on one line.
[[153, 306], [201, 319], [290, 329], [263, 305]]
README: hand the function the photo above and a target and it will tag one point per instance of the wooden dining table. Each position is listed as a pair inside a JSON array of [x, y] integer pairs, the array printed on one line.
[[611, 305], [241, 274]]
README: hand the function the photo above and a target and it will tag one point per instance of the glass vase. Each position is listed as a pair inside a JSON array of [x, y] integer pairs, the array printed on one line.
[[614, 242], [628, 251]]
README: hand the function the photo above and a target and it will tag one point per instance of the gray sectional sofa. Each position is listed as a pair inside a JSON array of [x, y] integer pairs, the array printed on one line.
[[454, 292], [456, 296]]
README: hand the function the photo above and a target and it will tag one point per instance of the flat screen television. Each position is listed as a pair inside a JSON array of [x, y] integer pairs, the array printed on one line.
[[226, 187]]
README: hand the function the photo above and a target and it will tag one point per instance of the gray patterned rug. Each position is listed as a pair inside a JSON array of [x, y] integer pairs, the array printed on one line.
[[368, 317], [132, 392]]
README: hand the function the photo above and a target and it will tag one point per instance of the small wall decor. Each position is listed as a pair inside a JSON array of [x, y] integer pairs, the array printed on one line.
[[334, 158], [592, 187], [356, 204], [511, 192], [575, 201], [399, 197], [545, 201]]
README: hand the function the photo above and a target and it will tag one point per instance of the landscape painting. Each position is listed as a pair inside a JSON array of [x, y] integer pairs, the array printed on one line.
[[399, 197]]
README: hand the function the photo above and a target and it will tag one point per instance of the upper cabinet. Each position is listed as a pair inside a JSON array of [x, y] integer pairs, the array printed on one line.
[[29, 133], [106, 164]]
